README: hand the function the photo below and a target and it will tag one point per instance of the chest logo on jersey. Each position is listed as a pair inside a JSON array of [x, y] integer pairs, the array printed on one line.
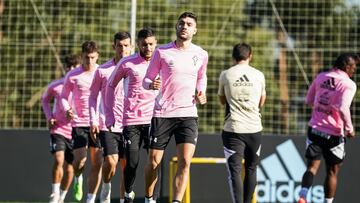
[[242, 81], [195, 60], [171, 63], [328, 84]]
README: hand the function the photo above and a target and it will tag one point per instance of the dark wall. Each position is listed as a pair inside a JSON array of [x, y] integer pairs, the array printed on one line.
[[25, 170]]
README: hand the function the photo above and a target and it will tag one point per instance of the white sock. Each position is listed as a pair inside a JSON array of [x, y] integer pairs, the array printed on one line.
[[55, 188], [78, 179], [63, 194], [122, 200], [90, 198], [329, 200], [149, 200], [303, 192], [107, 186]]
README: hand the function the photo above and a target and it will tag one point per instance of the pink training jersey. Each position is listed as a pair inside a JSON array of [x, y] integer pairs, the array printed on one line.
[[181, 72], [331, 94], [139, 102], [62, 125], [78, 82], [97, 112]]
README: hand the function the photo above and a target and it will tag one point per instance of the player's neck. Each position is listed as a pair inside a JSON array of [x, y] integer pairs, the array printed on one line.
[[243, 62], [182, 44], [88, 68], [116, 59]]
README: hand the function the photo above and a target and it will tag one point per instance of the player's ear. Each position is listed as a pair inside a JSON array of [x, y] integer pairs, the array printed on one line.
[[195, 31]]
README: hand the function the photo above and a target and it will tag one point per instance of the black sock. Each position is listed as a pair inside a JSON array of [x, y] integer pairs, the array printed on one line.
[[307, 180]]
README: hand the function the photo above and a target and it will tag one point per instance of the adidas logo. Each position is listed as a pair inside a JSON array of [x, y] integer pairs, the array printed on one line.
[[242, 81], [279, 177], [328, 84]]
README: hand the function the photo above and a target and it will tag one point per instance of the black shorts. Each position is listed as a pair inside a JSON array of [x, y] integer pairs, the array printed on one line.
[[245, 145], [319, 144], [185, 130], [81, 138], [112, 143], [135, 135], [60, 143]]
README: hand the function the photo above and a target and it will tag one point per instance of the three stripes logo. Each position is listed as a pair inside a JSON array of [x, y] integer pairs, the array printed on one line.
[[242, 81], [279, 177], [328, 84]]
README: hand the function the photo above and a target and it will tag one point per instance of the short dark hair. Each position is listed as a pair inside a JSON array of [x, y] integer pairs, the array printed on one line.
[[343, 60], [89, 47], [241, 51], [145, 32], [72, 60], [121, 36], [188, 14]]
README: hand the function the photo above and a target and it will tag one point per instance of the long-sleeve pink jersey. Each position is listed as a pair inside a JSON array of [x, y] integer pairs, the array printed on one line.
[[181, 72], [53, 92], [331, 94], [78, 82], [138, 102], [98, 111]]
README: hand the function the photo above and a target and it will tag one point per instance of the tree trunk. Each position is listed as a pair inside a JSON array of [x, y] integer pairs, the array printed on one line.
[[284, 90], [2, 7], [316, 63]]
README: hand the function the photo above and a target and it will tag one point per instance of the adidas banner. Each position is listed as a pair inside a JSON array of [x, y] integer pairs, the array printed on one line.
[[280, 170]]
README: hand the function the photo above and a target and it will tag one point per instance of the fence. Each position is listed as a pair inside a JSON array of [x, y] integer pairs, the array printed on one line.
[[292, 41]]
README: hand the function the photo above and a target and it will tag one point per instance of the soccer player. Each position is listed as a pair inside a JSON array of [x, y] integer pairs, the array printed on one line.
[[242, 91], [78, 82], [60, 134], [111, 142], [182, 69], [138, 104], [330, 96]]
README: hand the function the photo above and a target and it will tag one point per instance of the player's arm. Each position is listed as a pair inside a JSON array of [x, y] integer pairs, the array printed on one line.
[[67, 89], [263, 93], [344, 107], [201, 82], [117, 75], [151, 79], [45, 103], [310, 96], [94, 104], [221, 91]]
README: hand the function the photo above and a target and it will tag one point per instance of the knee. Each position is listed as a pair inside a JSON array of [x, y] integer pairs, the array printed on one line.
[[133, 160], [333, 170], [111, 163], [153, 163], [97, 164], [58, 163], [79, 163], [184, 164]]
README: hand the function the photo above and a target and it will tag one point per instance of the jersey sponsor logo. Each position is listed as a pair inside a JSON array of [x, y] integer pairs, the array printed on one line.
[[171, 63], [242, 81], [328, 84], [280, 174], [324, 99]]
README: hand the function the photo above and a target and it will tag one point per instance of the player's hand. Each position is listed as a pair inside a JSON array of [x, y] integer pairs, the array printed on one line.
[[109, 127], [201, 98], [350, 134], [69, 114], [156, 84], [51, 123], [94, 131]]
